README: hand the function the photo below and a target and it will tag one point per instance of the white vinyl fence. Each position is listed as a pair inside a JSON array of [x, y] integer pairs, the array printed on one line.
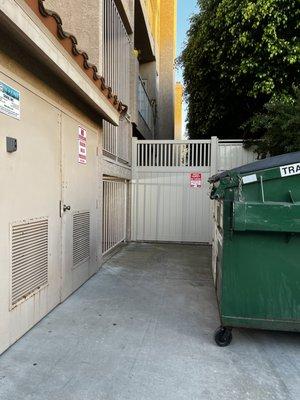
[[170, 189], [231, 154], [114, 213]]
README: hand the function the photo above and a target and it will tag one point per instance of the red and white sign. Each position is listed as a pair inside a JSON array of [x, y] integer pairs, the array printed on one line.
[[195, 180], [82, 145]]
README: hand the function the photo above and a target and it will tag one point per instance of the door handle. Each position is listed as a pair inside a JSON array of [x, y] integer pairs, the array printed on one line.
[[66, 208]]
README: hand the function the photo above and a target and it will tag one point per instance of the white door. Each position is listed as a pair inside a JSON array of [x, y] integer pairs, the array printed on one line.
[[80, 202]]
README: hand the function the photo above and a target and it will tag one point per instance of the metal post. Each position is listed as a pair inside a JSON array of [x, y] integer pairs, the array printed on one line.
[[134, 153], [214, 155]]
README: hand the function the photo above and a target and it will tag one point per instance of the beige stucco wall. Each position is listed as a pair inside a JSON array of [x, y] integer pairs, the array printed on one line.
[[110, 168], [167, 52], [18, 62], [37, 177], [153, 16], [178, 110], [83, 18]]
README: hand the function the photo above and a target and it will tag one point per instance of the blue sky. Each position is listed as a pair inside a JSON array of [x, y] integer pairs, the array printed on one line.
[[185, 9]]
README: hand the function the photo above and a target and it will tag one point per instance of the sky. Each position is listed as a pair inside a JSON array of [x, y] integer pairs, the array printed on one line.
[[186, 8]]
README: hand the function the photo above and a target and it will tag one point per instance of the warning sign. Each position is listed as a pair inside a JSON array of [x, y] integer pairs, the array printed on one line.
[[195, 180], [82, 145]]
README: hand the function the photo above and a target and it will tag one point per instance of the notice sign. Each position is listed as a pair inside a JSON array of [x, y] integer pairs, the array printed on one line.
[[195, 180], [9, 101], [81, 145]]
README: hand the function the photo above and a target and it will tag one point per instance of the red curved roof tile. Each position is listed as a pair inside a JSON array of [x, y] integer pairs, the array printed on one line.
[[53, 22]]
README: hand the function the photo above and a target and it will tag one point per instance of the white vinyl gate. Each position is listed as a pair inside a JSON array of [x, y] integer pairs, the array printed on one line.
[[170, 190], [114, 213]]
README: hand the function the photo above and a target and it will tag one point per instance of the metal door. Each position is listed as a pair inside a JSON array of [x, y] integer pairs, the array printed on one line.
[[80, 202], [30, 229]]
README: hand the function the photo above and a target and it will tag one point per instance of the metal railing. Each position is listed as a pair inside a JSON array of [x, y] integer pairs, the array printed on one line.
[[117, 141], [232, 153], [114, 213], [173, 153], [145, 107], [117, 54]]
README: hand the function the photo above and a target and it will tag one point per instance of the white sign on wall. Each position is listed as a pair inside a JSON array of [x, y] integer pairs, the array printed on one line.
[[82, 137], [9, 101]]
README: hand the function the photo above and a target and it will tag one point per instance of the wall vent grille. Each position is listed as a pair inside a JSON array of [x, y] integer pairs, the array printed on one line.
[[81, 237], [29, 252]]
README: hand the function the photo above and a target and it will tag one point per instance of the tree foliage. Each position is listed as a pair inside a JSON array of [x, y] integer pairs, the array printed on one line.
[[280, 124], [239, 54]]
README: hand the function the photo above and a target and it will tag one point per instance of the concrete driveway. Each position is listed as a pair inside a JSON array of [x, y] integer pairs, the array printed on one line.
[[142, 329]]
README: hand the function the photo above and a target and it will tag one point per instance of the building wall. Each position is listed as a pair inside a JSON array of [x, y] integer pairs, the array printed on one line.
[[104, 38], [178, 110], [153, 10], [83, 18], [167, 54], [160, 28], [41, 175]]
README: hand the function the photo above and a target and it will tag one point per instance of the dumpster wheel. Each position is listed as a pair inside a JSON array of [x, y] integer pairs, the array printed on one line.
[[223, 336]]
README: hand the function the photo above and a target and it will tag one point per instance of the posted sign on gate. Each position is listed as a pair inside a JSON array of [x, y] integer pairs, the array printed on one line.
[[195, 180], [81, 145]]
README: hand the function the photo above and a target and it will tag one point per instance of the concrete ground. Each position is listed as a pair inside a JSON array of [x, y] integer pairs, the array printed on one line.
[[142, 329]]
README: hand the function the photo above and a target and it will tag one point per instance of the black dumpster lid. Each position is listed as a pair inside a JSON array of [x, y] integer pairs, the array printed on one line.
[[266, 163]]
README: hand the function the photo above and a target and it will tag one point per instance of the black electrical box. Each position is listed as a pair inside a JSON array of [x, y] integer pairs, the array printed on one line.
[[11, 144]]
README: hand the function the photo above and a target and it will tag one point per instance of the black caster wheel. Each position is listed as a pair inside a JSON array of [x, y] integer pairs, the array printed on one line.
[[223, 336]]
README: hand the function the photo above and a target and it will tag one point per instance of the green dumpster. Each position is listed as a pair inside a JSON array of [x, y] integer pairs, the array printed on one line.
[[256, 246]]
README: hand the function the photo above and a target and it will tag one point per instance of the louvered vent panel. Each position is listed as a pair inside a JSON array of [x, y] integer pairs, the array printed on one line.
[[81, 237], [29, 258]]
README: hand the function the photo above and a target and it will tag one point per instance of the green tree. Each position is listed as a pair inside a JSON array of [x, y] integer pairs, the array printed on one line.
[[239, 54], [279, 124]]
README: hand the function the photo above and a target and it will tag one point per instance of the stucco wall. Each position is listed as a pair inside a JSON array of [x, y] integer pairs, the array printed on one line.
[[178, 110], [40, 78], [166, 100], [83, 18], [39, 177], [112, 169]]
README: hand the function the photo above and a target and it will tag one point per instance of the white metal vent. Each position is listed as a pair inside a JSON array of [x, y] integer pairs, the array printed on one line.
[[29, 252], [81, 237]]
